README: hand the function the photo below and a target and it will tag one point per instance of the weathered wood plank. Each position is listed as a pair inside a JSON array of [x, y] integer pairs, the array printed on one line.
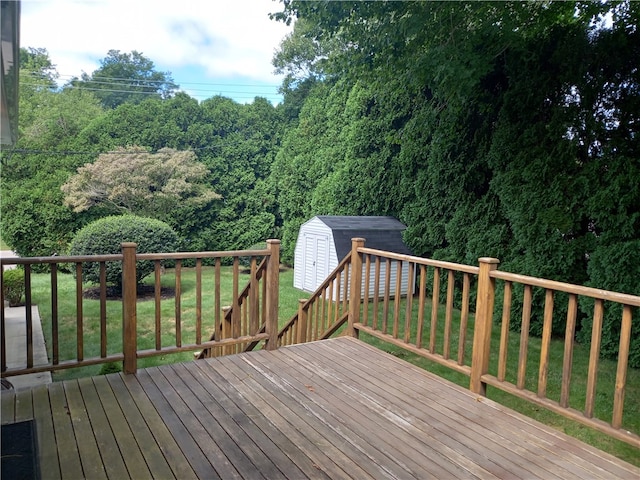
[[112, 458], [260, 451], [489, 453], [242, 407], [212, 437], [87, 446], [171, 451], [8, 411], [307, 431], [337, 408], [277, 421], [123, 435], [400, 430], [173, 412], [366, 426], [138, 427], [571, 457], [47, 451], [23, 405], [69, 460]]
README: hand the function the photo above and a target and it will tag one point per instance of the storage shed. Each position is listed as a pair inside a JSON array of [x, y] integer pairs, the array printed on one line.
[[325, 240]]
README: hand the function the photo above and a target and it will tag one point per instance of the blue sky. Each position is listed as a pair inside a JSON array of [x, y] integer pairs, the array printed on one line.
[[211, 47]]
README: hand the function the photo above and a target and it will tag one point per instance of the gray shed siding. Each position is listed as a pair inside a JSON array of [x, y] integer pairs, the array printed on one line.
[[334, 234]]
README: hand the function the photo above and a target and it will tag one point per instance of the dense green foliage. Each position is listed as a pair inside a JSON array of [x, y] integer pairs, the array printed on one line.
[[13, 286], [105, 236], [505, 129]]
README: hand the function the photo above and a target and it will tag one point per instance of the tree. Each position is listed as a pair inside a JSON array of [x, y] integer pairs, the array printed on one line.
[[126, 77], [137, 181]]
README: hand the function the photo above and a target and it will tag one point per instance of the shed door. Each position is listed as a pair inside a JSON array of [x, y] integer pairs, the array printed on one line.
[[316, 260]]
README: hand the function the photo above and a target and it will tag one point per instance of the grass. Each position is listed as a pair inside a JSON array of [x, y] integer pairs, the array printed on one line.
[[3, 245], [288, 306]]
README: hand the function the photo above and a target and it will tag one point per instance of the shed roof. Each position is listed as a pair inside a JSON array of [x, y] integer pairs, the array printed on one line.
[[382, 233]]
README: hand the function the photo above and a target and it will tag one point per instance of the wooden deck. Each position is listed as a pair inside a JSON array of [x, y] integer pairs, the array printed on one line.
[[330, 409]]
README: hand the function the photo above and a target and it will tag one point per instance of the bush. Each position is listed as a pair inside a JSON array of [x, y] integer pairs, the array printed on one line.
[[13, 286], [104, 236], [108, 368]]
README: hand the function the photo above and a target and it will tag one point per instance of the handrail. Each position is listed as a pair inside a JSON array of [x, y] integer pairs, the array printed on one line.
[[421, 305], [311, 331], [84, 353], [228, 313]]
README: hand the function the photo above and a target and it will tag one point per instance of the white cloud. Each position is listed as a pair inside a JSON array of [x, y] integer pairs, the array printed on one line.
[[228, 38]]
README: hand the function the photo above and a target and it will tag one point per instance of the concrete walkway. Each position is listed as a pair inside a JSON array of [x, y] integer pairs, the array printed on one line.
[[16, 346], [15, 319]]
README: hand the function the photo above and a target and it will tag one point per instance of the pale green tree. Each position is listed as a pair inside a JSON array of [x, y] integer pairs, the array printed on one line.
[[137, 181]]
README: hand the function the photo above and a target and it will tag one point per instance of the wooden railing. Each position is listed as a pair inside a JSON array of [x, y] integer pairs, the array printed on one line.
[[437, 320], [553, 290], [423, 306], [255, 309], [322, 315], [245, 317]]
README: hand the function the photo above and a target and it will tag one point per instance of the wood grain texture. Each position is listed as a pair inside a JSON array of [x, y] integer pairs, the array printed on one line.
[[335, 408]]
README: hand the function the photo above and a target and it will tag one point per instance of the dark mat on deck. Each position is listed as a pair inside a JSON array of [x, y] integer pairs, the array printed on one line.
[[20, 451]]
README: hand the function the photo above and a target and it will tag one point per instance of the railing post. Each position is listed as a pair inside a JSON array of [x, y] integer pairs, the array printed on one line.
[[355, 286], [483, 323], [302, 322], [129, 308], [272, 279]]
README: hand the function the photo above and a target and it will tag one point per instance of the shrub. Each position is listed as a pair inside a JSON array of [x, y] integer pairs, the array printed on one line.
[[104, 236], [108, 368], [13, 286]]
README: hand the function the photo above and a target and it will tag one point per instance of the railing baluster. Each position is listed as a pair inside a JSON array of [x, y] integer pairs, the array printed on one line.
[[435, 304], [376, 293], [217, 301], [178, 303], [387, 293], [397, 296], [567, 362], [103, 309], [546, 341], [594, 355], [29, 314], [55, 347], [504, 331], [524, 337], [198, 300], [421, 304], [621, 371], [79, 314], [365, 289], [235, 312], [464, 318], [409, 301], [448, 320], [254, 299], [157, 288]]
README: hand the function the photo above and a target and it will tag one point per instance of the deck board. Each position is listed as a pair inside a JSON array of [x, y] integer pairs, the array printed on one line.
[[332, 409]]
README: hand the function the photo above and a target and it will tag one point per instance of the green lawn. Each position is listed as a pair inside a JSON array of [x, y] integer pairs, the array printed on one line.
[[288, 306]]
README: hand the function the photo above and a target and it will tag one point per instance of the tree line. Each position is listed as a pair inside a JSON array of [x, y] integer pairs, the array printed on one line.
[[504, 129]]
